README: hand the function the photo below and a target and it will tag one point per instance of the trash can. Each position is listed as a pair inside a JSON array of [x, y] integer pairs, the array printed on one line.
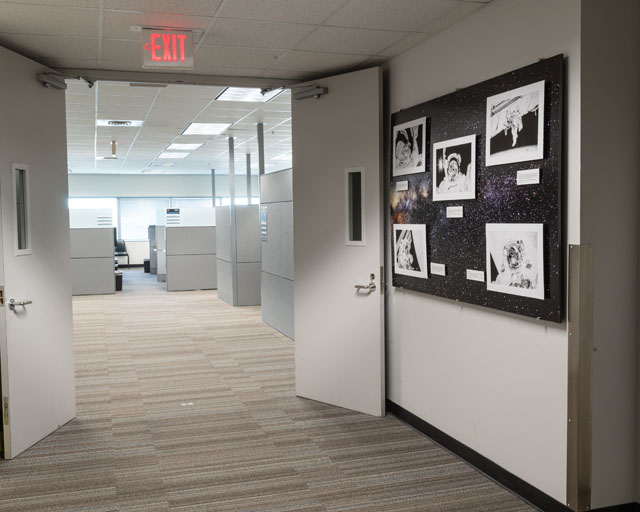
[[118, 281], [147, 266]]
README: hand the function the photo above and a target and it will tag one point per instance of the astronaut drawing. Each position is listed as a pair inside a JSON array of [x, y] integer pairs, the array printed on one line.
[[513, 122], [516, 270], [454, 180], [406, 257]]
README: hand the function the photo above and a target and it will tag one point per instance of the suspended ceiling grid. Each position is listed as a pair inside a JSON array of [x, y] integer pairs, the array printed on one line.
[[287, 39], [263, 39], [166, 112]]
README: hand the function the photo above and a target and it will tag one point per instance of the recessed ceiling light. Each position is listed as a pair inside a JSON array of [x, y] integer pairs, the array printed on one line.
[[252, 94], [128, 123], [167, 154], [205, 128], [178, 146]]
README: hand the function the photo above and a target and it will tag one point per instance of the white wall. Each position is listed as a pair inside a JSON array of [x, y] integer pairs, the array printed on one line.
[[496, 382], [610, 182], [154, 185]]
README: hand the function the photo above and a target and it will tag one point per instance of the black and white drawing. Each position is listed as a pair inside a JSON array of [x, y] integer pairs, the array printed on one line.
[[515, 125], [409, 147], [410, 250], [454, 165], [515, 260]]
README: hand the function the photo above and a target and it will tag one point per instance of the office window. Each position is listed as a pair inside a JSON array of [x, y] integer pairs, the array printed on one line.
[[190, 202], [137, 213]]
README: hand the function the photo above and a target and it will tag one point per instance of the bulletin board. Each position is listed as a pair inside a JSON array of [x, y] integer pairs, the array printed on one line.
[[475, 195]]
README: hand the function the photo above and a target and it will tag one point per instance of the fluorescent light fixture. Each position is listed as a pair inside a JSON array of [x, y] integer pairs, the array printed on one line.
[[250, 94], [167, 154], [178, 146], [283, 157], [206, 128], [128, 123]]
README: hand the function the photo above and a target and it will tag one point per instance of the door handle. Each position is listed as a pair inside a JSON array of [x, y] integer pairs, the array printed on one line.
[[13, 303], [371, 287]]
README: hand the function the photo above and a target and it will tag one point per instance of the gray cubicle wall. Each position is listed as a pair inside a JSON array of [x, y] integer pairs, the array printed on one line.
[[223, 254], [92, 263], [161, 254], [153, 257], [191, 258], [276, 216], [238, 256]]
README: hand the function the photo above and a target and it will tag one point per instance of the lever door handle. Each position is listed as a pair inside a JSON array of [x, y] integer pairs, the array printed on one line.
[[13, 303], [371, 287]]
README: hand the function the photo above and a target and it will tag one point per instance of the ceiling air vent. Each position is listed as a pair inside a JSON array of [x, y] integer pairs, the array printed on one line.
[[119, 123]]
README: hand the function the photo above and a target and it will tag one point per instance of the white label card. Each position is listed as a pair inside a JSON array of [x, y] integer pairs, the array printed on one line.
[[438, 269], [529, 177], [475, 275], [401, 186], [454, 212]]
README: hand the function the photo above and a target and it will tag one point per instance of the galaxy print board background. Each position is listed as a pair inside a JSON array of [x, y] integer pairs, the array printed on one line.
[[504, 194]]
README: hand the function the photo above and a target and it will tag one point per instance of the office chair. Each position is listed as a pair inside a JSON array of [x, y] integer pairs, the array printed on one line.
[[121, 250]]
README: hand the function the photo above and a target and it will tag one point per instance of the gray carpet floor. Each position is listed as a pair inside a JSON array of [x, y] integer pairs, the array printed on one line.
[[186, 404]]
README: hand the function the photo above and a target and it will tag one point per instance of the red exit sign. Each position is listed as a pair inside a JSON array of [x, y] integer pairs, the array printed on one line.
[[167, 48]]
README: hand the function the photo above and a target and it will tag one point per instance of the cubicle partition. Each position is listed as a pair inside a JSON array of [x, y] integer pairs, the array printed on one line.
[[92, 245], [185, 248], [191, 258], [153, 257], [276, 233], [161, 254], [238, 254]]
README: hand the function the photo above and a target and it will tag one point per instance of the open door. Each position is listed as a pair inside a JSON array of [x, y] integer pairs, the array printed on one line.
[[38, 391], [338, 242]]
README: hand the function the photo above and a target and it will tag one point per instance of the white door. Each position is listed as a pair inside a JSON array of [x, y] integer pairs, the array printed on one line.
[[36, 343], [338, 242]]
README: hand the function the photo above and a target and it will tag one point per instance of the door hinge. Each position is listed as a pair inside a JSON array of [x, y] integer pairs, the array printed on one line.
[[383, 283], [5, 410]]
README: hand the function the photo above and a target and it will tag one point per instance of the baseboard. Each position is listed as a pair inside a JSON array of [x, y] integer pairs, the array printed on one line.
[[628, 507], [497, 473]]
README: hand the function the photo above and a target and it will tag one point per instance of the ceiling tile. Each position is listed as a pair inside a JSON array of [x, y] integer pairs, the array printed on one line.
[[291, 11], [212, 57], [117, 54], [256, 34], [117, 24], [350, 40], [317, 62], [62, 3], [188, 7], [408, 15], [459, 11], [50, 48], [405, 44], [46, 20]]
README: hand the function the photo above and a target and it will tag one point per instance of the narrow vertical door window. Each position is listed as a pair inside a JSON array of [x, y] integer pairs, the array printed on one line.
[[355, 206], [21, 209]]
